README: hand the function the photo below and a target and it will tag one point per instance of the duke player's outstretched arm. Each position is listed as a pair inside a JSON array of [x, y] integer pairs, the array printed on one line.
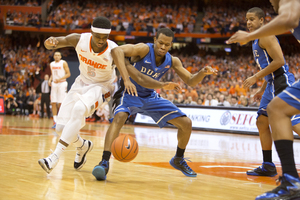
[[271, 45], [70, 40], [187, 77], [287, 19], [118, 54], [149, 82]]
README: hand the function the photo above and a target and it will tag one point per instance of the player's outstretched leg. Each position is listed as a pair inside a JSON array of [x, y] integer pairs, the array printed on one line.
[[80, 158], [266, 169]]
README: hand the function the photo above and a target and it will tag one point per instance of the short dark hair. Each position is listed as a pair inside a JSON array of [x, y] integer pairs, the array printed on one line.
[[101, 22], [258, 12], [166, 31]]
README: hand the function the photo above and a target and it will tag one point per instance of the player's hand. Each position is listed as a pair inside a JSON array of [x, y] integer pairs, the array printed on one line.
[[239, 37], [258, 95], [130, 87], [249, 81], [208, 70], [55, 81], [51, 41], [171, 86]]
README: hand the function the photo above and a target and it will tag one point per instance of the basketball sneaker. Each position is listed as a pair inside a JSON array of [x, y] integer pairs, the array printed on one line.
[[54, 126], [267, 169], [180, 164], [49, 163], [101, 170], [288, 189], [81, 152]]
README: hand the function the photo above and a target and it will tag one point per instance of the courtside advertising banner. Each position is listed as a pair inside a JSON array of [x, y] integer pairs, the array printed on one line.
[[215, 119], [224, 119]]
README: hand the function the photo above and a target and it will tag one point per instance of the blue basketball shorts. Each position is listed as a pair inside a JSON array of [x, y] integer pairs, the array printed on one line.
[[275, 88], [158, 108]]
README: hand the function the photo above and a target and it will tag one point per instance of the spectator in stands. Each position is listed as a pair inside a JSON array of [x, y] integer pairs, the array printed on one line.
[[234, 101], [21, 101], [222, 101], [11, 106], [210, 101], [189, 101]]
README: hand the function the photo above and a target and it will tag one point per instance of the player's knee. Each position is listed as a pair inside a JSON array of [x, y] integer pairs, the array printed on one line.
[[79, 109], [59, 128], [120, 118], [262, 123], [186, 124]]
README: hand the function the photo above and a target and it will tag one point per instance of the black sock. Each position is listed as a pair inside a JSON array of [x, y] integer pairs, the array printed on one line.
[[106, 155], [179, 152], [267, 155], [286, 154]]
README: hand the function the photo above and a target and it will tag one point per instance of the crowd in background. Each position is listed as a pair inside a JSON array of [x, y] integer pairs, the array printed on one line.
[[22, 54]]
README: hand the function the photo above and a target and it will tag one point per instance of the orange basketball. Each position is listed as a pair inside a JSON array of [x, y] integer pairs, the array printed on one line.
[[125, 148]]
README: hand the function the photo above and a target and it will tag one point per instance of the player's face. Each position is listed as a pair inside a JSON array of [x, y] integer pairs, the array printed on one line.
[[162, 44], [253, 22], [275, 4], [99, 40], [57, 56]]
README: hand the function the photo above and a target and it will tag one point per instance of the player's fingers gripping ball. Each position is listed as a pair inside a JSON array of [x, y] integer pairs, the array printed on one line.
[[124, 148]]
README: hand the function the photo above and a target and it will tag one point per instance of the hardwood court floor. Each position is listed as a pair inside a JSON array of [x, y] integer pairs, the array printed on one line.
[[220, 159]]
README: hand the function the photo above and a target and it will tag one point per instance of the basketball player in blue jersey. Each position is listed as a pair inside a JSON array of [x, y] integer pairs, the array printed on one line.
[[269, 58], [154, 61], [286, 104]]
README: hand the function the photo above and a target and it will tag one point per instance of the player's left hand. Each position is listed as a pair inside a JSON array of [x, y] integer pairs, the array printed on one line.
[[249, 81], [239, 37], [171, 86], [130, 87], [55, 81], [209, 70]]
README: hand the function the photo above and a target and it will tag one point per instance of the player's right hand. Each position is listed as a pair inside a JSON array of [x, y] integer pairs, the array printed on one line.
[[171, 86], [51, 41], [130, 87], [258, 95]]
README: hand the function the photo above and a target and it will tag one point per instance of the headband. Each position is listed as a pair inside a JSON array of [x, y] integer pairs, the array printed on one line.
[[101, 30]]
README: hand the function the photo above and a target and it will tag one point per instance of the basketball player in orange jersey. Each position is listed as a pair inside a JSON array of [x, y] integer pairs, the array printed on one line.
[[94, 84], [59, 73]]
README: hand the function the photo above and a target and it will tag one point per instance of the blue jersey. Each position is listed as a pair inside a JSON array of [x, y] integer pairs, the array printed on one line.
[[263, 59], [148, 67], [296, 32]]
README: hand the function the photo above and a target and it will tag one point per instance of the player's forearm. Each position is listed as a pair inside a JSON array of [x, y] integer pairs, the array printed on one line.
[[272, 67], [143, 80], [118, 57], [196, 78]]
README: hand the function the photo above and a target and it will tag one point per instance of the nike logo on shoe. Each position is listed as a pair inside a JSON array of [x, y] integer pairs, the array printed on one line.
[[128, 146]]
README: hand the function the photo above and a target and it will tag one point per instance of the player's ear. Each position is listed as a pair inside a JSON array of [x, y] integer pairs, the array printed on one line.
[[154, 38]]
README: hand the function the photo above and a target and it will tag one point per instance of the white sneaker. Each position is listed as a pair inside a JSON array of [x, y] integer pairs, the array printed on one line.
[[49, 163], [80, 157]]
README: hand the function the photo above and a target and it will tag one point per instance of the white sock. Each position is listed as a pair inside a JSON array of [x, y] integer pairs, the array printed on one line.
[[60, 148], [78, 142], [54, 118]]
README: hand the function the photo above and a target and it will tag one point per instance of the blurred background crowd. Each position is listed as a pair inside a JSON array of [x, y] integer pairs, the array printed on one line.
[[22, 54]]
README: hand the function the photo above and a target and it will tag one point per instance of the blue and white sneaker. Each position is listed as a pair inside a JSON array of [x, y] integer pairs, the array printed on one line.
[[180, 164], [266, 169], [288, 189], [101, 170]]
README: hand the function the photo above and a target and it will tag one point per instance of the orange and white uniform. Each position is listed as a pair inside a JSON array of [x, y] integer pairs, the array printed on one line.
[[95, 81], [58, 90]]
